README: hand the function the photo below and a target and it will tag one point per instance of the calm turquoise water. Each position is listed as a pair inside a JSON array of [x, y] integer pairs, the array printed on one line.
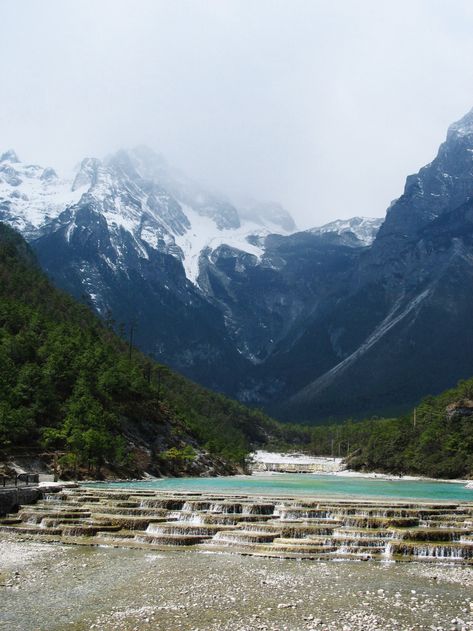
[[307, 485]]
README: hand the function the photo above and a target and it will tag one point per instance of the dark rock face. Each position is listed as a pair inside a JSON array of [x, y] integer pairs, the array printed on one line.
[[268, 302], [405, 334], [170, 318], [404, 328], [12, 498], [442, 185]]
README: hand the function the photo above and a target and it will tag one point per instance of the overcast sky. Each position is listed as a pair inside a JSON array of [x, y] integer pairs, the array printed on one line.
[[325, 106]]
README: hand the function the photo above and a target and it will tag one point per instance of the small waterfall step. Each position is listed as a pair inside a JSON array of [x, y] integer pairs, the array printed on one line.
[[451, 551], [244, 537], [35, 517], [183, 528], [30, 529], [205, 517], [131, 522], [119, 534], [301, 548], [87, 530], [138, 512], [433, 534], [305, 529], [171, 539]]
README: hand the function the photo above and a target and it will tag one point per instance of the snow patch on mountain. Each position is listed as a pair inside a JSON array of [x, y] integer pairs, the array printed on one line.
[[153, 166], [31, 196], [204, 236], [364, 228]]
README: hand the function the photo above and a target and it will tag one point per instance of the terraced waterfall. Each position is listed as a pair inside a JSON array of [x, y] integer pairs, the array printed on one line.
[[267, 526]]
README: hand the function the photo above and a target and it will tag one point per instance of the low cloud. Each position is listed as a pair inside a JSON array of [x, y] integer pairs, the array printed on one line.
[[325, 107]]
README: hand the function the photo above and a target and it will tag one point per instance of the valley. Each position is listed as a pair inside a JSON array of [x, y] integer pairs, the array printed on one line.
[[236, 316], [239, 301]]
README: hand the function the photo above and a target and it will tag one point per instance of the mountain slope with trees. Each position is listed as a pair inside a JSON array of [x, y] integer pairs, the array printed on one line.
[[435, 439], [69, 385]]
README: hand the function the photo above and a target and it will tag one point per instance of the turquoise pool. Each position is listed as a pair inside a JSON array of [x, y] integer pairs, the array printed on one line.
[[308, 485]]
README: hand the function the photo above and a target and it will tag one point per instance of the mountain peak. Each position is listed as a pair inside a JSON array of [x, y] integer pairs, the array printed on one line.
[[269, 215], [48, 175], [9, 156], [87, 173], [146, 153], [462, 127]]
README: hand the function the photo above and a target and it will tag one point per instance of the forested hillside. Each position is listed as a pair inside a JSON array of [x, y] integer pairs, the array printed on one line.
[[435, 439], [70, 385]]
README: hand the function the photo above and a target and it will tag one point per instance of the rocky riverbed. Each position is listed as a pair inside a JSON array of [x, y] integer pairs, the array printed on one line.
[[53, 587]]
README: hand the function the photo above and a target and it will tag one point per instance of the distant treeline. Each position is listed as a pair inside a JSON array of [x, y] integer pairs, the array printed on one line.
[[435, 439]]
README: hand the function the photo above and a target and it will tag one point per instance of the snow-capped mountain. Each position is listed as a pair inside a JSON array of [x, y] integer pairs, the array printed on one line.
[[269, 215], [32, 196], [131, 235], [135, 192], [138, 193]]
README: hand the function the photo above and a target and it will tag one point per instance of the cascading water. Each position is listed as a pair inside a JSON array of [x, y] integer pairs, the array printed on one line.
[[254, 525]]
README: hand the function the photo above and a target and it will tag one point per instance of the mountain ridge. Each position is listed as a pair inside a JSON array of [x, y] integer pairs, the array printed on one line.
[[420, 253]]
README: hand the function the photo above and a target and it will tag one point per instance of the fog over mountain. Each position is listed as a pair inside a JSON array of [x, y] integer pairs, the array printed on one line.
[[321, 108]]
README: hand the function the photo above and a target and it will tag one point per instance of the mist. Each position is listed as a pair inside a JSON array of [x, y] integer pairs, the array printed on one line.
[[324, 107]]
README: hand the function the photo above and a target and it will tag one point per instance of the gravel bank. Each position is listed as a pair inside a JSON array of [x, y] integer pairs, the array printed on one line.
[[50, 588]]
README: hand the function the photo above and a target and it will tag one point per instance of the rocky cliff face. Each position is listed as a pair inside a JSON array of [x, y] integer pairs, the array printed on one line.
[[403, 328], [437, 188]]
